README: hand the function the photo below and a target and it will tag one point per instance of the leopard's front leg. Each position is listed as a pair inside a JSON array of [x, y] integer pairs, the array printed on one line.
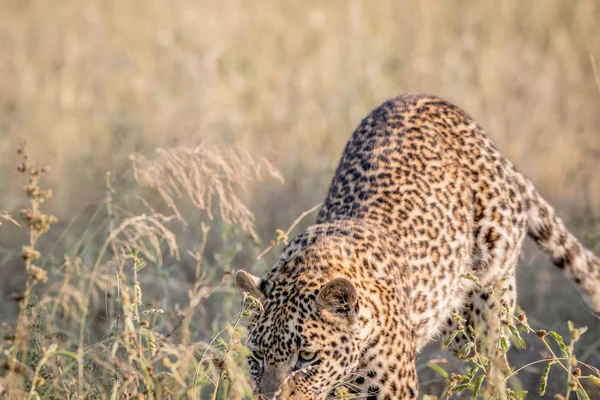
[[388, 369]]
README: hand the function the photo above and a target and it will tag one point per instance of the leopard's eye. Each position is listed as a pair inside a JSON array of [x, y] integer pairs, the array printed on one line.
[[257, 354], [307, 355]]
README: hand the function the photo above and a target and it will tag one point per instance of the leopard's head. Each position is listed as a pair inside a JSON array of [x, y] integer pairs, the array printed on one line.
[[305, 343]]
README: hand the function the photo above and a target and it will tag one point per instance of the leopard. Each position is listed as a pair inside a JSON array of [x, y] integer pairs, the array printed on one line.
[[420, 199]]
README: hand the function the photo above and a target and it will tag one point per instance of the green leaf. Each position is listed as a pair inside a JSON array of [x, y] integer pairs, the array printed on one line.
[[465, 349], [140, 266], [520, 394], [581, 394], [544, 380], [470, 276], [478, 383], [517, 336], [472, 372], [68, 354], [462, 387], [223, 388], [449, 339], [32, 303], [441, 371], [561, 343], [503, 344]]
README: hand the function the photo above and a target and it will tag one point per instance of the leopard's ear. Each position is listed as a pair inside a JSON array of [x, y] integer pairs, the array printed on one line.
[[338, 300], [249, 283]]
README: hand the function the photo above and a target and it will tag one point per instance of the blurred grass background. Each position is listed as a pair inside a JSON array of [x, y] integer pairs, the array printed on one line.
[[89, 82]]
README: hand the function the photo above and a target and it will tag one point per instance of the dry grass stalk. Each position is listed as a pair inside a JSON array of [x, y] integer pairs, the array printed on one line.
[[6, 217], [146, 233], [204, 173]]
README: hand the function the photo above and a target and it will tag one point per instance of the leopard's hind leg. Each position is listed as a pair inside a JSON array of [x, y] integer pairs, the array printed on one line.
[[482, 318], [500, 227]]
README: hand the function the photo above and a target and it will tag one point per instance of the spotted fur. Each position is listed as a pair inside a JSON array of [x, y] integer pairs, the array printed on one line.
[[420, 197]]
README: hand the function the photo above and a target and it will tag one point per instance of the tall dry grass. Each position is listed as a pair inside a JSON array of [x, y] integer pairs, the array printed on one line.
[[84, 327], [89, 83]]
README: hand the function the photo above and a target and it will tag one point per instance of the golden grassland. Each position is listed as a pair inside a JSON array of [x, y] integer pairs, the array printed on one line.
[[126, 292]]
